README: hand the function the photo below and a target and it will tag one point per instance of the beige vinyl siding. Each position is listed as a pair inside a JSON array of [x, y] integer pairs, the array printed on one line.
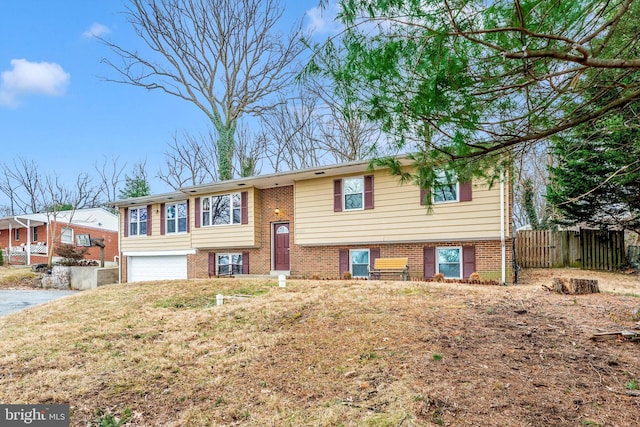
[[397, 215], [227, 236], [155, 242]]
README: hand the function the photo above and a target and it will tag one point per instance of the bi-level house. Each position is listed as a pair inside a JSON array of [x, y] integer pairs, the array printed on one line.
[[318, 222]]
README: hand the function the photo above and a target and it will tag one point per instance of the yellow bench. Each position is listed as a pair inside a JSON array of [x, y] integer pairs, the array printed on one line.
[[390, 266]]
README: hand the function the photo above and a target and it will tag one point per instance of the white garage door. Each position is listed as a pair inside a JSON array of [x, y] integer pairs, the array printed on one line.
[[157, 267]]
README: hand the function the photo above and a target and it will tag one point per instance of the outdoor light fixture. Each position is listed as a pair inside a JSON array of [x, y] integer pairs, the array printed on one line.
[[277, 211]]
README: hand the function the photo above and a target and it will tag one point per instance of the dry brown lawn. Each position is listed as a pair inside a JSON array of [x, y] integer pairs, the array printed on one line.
[[330, 353], [18, 278]]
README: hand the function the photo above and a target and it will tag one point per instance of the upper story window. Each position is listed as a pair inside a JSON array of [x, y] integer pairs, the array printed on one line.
[[221, 210], [445, 188], [353, 189], [66, 236], [176, 217], [351, 194], [138, 221]]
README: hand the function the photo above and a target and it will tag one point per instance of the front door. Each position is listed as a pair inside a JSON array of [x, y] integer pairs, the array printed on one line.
[[281, 247]]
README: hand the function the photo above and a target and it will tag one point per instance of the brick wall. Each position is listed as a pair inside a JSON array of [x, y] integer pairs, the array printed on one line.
[[110, 240]]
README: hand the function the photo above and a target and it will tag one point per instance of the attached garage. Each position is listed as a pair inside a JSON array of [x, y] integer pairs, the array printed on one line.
[[159, 266]]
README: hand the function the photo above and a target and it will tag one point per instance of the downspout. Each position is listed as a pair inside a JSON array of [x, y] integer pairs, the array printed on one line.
[[502, 231], [28, 244]]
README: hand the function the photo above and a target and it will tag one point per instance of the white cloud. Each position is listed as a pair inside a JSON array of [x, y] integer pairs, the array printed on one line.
[[96, 30], [32, 78], [322, 21]]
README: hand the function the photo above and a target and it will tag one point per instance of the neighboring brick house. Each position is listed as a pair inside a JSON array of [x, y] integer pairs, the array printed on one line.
[[25, 239], [317, 222]]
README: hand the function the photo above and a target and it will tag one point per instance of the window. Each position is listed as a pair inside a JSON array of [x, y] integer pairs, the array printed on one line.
[[229, 264], [448, 262], [445, 187], [16, 234], [34, 234], [177, 217], [221, 210], [353, 193], [138, 221], [67, 236], [359, 262]]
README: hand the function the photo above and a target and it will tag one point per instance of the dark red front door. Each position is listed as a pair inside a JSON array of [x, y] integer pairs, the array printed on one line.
[[281, 247]]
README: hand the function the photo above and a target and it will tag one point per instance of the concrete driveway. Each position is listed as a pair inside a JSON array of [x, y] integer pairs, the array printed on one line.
[[16, 300]]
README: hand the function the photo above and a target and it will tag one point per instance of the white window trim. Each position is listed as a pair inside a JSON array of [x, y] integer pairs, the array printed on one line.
[[461, 262], [344, 194], [167, 219], [16, 234], [230, 255], [62, 235], [231, 208], [368, 251], [138, 222], [442, 202]]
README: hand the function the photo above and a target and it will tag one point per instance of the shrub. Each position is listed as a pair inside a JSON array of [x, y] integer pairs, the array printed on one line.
[[346, 275], [438, 277], [474, 277], [1, 257], [71, 255]]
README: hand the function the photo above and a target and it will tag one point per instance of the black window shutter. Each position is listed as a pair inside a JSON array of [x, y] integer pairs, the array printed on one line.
[[468, 261], [198, 213], [368, 192], [465, 192], [244, 208], [429, 259], [245, 262], [212, 264], [149, 220], [337, 195], [344, 261]]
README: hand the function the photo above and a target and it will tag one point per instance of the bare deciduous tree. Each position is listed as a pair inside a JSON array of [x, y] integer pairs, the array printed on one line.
[[190, 160], [226, 57], [292, 132], [110, 173]]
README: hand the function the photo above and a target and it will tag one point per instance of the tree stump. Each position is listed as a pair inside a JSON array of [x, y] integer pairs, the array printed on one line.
[[572, 286]]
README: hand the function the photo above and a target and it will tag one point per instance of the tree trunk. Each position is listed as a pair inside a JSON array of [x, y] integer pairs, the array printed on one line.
[[572, 286]]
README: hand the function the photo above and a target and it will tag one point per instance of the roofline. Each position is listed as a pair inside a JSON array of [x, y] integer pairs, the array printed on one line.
[[271, 180]]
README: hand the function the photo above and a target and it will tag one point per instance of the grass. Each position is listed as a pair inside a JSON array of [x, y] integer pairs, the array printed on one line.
[[16, 276], [323, 353]]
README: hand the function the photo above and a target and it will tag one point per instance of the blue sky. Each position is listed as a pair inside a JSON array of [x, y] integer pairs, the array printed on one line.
[[57, 111]]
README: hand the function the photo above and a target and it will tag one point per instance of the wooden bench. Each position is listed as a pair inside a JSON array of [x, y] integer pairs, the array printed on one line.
[[390, 266]]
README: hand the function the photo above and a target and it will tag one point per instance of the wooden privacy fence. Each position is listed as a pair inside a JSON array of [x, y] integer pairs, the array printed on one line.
[[588, 249]]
